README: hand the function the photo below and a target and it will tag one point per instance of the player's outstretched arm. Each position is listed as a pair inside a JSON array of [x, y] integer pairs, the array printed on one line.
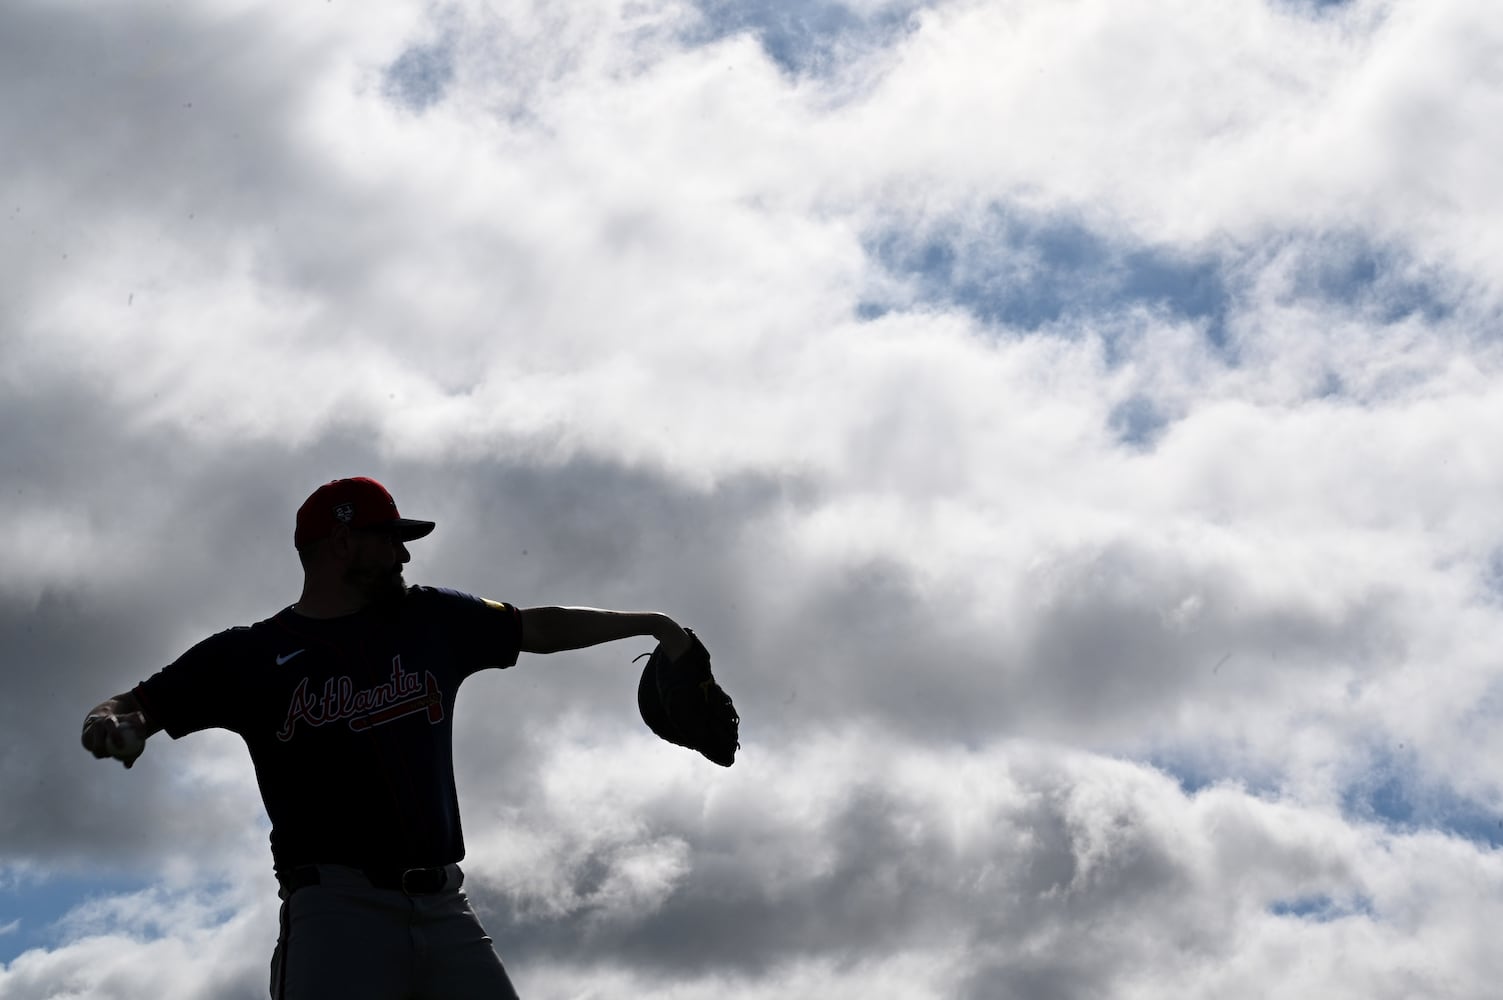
[[118, 728], [552, 630]]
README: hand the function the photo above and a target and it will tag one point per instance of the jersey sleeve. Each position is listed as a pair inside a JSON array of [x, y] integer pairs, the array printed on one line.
[[484, 633], [198, 690]]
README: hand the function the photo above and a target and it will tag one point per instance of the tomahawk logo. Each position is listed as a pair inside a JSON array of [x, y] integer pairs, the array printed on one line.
[[405, 694]]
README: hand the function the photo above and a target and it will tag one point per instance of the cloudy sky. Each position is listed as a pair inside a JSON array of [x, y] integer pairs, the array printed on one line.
[[1072, 425]]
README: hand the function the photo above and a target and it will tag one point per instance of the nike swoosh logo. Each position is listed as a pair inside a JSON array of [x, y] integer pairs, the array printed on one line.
[[283, 659]]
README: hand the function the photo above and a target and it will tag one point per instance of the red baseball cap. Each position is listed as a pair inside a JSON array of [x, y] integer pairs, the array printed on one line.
[[360, 502]]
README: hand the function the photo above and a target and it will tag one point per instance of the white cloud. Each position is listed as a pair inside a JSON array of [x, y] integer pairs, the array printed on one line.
[[890, 866]]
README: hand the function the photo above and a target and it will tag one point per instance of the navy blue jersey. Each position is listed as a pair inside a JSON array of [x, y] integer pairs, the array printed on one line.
[[349, 721]]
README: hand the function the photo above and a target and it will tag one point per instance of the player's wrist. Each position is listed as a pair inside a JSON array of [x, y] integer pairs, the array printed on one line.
[[672, 635]]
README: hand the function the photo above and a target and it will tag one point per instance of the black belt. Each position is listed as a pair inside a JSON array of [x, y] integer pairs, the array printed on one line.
[[412, 881]]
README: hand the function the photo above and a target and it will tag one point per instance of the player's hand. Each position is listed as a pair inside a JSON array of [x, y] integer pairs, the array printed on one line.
[[675, 640], [122, 737]]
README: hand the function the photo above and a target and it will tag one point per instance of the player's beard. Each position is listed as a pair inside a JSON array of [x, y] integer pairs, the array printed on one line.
[[392, 586], [378, 586]]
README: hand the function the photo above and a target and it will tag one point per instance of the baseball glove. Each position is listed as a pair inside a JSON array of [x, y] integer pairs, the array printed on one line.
[[680, 701]]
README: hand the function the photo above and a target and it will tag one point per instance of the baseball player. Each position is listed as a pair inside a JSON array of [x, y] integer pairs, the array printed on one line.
[[346, 703]]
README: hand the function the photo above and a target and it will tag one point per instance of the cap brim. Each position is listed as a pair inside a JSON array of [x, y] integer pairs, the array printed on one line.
[[407, 529]]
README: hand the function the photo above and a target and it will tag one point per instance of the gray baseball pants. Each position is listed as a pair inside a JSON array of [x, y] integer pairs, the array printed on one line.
[[342, 937]]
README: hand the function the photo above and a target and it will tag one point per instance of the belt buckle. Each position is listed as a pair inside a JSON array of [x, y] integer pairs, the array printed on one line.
[[423, 881]]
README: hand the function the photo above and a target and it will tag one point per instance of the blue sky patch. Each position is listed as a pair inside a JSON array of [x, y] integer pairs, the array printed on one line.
[[1137, 421], [1492, 574], [1194, 775], [421, 75], [1191, 778], [1312, 8], [38, 905], [1322, 908], [1382, 283], [804, 38], [1393, 794], [1026, 273]]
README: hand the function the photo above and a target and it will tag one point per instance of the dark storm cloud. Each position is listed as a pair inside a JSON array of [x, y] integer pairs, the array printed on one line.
[[600, 526], [600, 534], [192, 539], [1120, 637], [58, 651], [1107, 645], [880, 875], [148, 109], [167, 144], [1057, 881], [184, 541]]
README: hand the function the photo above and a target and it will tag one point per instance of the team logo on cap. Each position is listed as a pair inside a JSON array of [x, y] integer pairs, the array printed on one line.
[[345, 512]]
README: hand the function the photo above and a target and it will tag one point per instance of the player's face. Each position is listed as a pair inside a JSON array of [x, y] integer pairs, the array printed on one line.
[[375, 566]]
